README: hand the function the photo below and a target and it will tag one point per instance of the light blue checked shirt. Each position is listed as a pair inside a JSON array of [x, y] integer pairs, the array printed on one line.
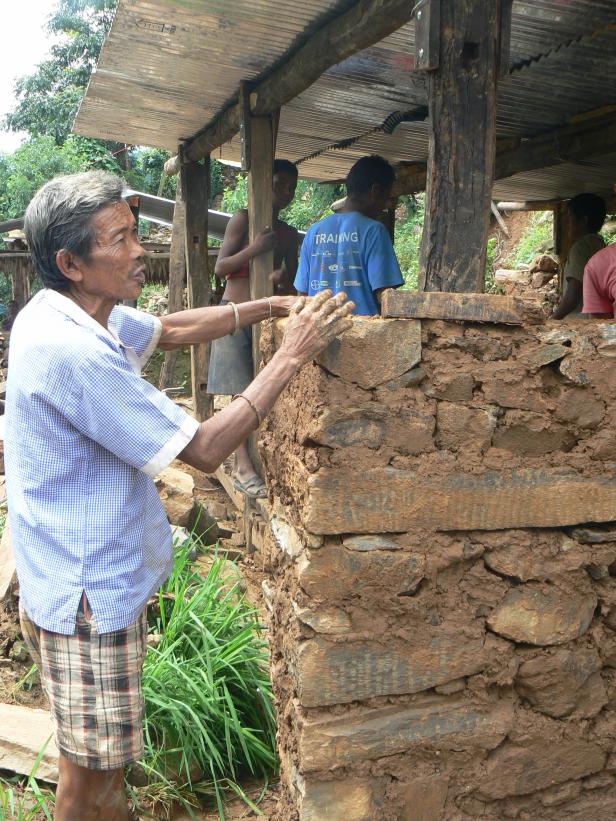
[[84, 435]]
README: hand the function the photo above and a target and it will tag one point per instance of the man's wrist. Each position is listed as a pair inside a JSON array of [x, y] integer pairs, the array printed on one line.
[[278, 308], [287, 362]]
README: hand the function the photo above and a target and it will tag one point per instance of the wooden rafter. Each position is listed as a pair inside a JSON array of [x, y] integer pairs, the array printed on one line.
[[368, 22], [569, 143]]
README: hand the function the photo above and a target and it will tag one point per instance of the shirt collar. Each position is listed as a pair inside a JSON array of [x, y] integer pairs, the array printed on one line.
[[71, 309]]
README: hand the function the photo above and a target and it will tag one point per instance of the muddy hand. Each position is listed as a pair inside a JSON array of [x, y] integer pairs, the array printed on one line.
[[313, 323], [281, 305]]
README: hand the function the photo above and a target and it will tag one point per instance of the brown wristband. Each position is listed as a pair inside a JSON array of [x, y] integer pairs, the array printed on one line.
[[256, 410]]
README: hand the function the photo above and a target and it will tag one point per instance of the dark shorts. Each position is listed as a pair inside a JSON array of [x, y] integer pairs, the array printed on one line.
[[231, 369], [93, 684]]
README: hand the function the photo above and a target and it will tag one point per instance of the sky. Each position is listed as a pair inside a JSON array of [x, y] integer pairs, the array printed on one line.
[[24, 44]]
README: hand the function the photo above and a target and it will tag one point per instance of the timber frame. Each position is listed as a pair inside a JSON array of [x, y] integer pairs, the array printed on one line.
[[461, 54]]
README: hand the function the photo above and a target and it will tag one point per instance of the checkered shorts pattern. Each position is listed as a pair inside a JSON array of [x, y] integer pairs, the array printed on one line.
[[93, 684]]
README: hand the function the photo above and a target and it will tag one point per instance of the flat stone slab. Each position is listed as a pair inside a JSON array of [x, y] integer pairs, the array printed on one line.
[[443, 723], [357, 355], [543, 614], [23, 733], [339, 673]]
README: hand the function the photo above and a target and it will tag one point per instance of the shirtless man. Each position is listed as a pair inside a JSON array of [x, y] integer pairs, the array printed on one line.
[[231, 368], [586, 216]]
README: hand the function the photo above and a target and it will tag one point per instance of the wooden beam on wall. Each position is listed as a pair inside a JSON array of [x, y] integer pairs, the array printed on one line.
[[462, 102], [195, 188], [366, 23], [177, 277]]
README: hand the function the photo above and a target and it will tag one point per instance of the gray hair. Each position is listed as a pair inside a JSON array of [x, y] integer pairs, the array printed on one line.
[[60, 217]]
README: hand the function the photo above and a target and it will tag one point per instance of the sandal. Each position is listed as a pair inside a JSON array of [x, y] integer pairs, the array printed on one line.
[[254, 487]]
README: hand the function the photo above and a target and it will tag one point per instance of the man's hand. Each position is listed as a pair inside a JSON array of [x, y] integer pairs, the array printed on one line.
[[314, 323], [281, 305], [264, 242]]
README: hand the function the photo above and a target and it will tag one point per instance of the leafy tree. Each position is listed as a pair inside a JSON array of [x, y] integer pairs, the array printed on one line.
[[146, 169], [48, 99], [38, 160]]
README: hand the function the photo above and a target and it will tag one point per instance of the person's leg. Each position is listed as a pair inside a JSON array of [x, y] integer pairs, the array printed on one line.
[[243, 468], [93, 684], [230, 372], [90, 795]]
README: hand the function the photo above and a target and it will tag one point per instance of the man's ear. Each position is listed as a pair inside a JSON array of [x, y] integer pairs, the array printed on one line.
[[69, 265]]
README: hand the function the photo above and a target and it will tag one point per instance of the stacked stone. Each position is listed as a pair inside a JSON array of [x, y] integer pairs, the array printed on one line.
[[443, 606]]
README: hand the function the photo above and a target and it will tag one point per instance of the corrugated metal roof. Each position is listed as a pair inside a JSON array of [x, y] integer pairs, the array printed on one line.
[[167, 68]]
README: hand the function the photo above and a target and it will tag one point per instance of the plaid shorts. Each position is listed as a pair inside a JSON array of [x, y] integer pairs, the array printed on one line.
[[93, 684]]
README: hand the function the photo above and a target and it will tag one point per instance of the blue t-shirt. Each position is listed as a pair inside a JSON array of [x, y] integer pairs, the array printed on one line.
[[351, 253]]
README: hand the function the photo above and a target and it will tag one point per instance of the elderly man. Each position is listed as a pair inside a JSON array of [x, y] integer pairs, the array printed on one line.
[[85, 434]]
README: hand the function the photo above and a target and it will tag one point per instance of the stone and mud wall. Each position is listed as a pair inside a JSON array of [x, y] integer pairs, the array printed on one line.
[[442, 599]]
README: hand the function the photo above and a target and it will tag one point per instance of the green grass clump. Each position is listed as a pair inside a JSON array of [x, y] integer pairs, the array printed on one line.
[[537, 238], [209, 714]]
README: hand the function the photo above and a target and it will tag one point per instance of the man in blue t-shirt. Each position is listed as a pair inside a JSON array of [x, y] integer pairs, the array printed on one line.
[[350, 251]]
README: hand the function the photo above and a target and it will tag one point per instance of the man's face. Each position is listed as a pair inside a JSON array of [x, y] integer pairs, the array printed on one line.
[[114, 269], [379, 199], [283, 189]]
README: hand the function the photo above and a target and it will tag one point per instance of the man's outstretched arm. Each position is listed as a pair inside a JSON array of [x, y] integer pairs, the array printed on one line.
[[198, 325], [311, 327]]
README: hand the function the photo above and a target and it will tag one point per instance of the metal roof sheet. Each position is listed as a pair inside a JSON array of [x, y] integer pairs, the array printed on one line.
[[168, 67]]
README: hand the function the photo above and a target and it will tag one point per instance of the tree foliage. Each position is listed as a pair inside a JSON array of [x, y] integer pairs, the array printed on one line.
[[40, 159], [311, 203], [48, 99]]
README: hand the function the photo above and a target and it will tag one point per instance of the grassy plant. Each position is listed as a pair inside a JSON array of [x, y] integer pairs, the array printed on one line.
[[209, 715], [209, 719], [408, 238], [537, 238], [24, 800]]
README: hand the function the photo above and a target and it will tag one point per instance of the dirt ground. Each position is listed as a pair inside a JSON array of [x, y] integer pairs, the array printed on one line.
[[15, 663]]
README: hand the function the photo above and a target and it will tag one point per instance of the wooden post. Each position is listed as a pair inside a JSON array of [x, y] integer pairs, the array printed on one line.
[[262, 145], [177, 277], [462, 100], [133, 203], [21, 282], [195, 184], [562, 240]]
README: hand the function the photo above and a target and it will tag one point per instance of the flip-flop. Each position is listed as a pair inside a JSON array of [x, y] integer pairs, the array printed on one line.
[[253, 487]]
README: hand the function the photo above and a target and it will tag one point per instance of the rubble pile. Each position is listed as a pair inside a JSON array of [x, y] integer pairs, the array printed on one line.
[[538, 281]]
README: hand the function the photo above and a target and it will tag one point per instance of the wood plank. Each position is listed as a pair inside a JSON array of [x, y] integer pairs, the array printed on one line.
[[177, 277], [506, 310], [24, 732], [338, 673], [226, 481], [387, 500], [366, 23], [461, 157], [195, 186]]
